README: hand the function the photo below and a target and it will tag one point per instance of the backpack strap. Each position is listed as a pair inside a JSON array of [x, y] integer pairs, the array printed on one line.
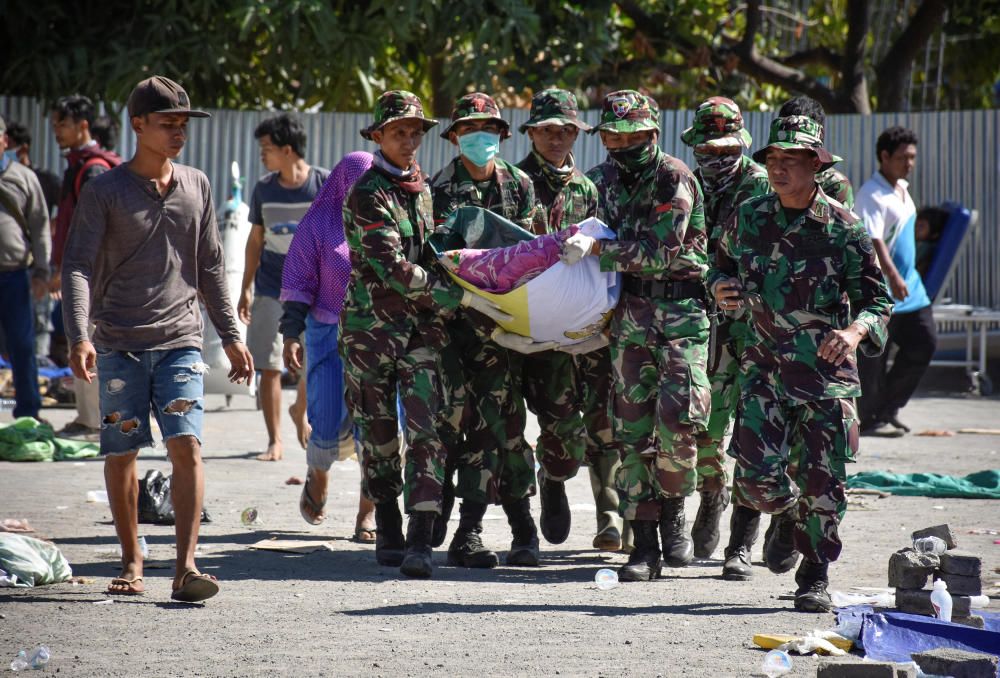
[[78, 180]]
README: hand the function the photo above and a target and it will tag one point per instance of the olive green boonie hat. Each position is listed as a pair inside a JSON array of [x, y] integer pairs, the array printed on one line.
[[628, 111], [797, 132], [717, 122], [476, 106], [395, 105], [554, 107]]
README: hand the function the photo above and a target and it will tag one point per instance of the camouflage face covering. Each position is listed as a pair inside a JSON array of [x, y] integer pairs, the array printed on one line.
[[717, 121], [397, 105], [627, 111], [797, 132], [476, 106], [554, 107]]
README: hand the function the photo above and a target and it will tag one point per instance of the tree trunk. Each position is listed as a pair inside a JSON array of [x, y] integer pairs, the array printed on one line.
[[893, 72], [440, 99]]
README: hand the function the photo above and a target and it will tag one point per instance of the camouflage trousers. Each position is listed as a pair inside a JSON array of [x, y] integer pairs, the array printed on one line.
[[373, 380], [725, 397], [662, 400], [594, 377], [822, 436], [549, 384]]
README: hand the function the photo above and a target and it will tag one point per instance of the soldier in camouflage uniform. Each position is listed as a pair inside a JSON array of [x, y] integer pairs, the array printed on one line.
[[392, 328], [727, 177], [834, 183], [659, 330], [803, 269], [556, 383], [494, 461]]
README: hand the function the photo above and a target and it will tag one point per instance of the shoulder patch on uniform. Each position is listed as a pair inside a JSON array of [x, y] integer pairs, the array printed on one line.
[[665, 207]]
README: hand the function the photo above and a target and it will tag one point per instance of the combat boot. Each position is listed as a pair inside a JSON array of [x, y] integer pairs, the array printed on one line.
[[743, 526], [389, 543], [417, 561], [779, 550], [644, 561], [602, 474], [524, 545], [447, 503], [466, 548], [677, 548], [811, 594], [705, 531], [555, 520]]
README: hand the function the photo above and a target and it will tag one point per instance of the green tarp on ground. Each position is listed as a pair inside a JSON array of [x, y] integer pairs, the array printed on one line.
[[979, 485], [27, 439], [31, 562]]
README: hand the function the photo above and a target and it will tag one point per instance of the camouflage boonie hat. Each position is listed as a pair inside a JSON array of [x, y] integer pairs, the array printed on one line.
[[717, 122], [397, 104], [554, 107], [476, 106], [628, 111], [797, 132]]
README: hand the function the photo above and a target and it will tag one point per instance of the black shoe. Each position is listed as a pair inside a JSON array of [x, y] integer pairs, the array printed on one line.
[[898, 424], [678, 551], [447, 503], [609, 539], [779, 550], [811, 594], [466, 548], [881, 429], [389, 542], [705, 531], [743, 526], [418, 561], [555, 520], [644, 562], [524, 544]]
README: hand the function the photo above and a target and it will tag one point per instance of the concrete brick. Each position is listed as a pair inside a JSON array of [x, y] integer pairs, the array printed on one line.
[[909, 569], [919, 602], [942, 531], [854, 669], [975, 621], [960, 585], [961, 562], [956, 663]]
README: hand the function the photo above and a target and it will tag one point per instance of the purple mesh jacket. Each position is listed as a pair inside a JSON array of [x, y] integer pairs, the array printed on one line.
[[318, 266]]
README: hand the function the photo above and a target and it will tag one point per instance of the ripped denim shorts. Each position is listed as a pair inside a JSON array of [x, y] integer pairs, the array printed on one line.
[[131, 382]]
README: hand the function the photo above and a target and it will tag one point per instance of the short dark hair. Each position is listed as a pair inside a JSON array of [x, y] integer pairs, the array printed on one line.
[[284, 130], [936, 218], [18, 133], [75, 106], [893, 138], [806, 106], [105, 131]]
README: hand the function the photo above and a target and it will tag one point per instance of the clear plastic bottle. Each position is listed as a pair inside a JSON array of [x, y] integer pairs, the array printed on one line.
[[606, 579], [20, 662], [40, 657], [933, 545], [941, 600], [776, 663], [143, 548], [250, 517], [979, 602]]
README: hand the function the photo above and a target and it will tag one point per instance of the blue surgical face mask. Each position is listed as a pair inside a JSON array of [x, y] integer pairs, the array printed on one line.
[[479, 147], [9, 157]]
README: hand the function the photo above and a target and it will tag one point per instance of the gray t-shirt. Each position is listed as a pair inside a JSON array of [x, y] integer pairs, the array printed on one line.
[[135, 262]]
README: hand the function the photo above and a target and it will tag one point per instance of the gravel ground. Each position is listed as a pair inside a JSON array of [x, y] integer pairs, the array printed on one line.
[[335, 612]]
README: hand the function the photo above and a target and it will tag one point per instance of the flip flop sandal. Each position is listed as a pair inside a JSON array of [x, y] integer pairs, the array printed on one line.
[[364, 535], [195, 587], [308, 505], [130, 583]]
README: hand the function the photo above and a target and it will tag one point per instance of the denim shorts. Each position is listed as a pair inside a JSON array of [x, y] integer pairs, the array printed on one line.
[[131, 382]]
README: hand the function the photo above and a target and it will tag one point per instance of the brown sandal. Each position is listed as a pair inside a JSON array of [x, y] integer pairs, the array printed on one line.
[[130, 584], [195, 587]]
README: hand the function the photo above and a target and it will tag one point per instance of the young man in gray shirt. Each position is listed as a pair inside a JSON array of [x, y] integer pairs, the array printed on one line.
[[142, 246]]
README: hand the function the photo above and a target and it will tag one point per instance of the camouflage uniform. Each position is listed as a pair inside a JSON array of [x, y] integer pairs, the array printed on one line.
[[836, 185], [392, 326], [659, 330], [801, 280]]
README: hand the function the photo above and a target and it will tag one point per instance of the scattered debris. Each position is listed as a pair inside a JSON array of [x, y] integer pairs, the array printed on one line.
[[294, 480], [292, 545], [936, 433], [15, 525], [980, 431]]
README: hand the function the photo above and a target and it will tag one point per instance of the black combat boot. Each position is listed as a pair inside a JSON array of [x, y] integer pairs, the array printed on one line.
[[555, 520], [705, 531], [447, 503], [466, 548], [811, 595], [389, 543], [524, 544], [743, 527], [644, 561], [417, 561], [779, 550], [677, 548]]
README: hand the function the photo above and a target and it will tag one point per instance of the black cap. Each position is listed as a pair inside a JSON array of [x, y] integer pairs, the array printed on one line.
[[160, 95]]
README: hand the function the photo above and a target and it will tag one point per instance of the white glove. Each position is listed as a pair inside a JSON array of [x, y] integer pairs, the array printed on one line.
[[576, 247], [485, 306], [596, 342], [515, 342]]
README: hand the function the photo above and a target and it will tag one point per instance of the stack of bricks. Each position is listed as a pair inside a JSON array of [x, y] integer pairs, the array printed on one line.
[[909, 572]]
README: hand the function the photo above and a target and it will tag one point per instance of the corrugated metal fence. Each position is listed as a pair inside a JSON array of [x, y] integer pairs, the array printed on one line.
[[959, 159]]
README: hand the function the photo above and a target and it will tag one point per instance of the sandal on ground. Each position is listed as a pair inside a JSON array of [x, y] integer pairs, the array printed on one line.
[[133, 587], [364, 535], [195, 587], [311, 510]]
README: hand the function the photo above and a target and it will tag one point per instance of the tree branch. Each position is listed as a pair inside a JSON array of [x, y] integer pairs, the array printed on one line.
[[854, 85], [893, 72], [823, 56]]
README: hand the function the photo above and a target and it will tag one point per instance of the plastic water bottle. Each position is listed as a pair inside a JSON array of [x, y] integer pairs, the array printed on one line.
[[20, 662], [941, 600], [250, 517], [606, 579], [143, 548], [979, 602], [40, 657], [97, 497], [933, 545], [776, 663]]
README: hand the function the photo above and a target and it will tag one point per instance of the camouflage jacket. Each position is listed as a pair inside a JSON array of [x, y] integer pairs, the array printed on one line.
[[721, 205], [837, 186], [802, 280], [508, 192], [559, 205], [390, 293]]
